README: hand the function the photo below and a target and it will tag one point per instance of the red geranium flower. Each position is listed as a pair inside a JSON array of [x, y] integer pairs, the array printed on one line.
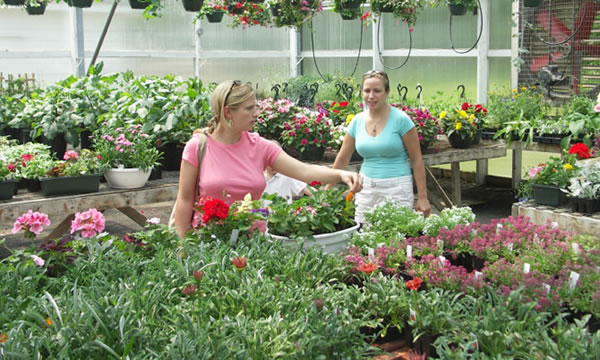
[[414, 284], [581, 150], [12, 167], [239, 262], [367, 268], [315, 183], [465, 106], [214, 208]]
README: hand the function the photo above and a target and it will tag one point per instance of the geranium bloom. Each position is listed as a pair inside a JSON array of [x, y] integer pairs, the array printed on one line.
[[581, 150], [239, 262], [11, 167], [89, 223], [189, 290], [414, 284], [38, 260], [534, 171], [367, 268], [32, 222], [70, 155], [214, 208]]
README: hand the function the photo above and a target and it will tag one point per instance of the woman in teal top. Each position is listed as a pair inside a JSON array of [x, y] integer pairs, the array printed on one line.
[[386, 138]]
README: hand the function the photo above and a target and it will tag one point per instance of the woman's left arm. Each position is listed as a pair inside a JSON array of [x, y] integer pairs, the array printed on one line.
[[308, 173], [413, 148]]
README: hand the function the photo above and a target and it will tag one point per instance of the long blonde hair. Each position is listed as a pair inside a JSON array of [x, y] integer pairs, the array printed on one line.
[[227, 93]]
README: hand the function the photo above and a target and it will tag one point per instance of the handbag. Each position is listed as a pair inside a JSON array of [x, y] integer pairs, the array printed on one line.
[[202, 140]]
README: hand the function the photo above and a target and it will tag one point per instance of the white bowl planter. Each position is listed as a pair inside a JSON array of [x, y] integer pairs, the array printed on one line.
[[331, 243], [125, 178]]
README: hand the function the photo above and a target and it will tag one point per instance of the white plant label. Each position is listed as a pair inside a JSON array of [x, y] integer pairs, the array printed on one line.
[[575, 247], [234, 236], [408, 252], [547, 288], [573, 277], [413, 315], [555, 225], [371, 252], [526, 268], [598, 269], [510, 247], [440, 244], [442, 259], [499, 228], [478, 275]]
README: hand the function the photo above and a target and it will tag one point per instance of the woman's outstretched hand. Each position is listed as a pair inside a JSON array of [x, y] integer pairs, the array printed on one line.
[[353, 180]]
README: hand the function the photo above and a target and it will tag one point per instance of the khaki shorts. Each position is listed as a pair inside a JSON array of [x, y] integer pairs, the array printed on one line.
[[377, 192]]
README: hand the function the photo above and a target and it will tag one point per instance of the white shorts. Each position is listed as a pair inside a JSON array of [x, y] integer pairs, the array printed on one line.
[[377, 192]]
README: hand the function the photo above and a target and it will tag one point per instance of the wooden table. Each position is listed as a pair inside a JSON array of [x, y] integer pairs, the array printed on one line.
[[107, 198]]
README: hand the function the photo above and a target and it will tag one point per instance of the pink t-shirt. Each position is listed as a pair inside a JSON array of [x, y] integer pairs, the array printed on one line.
[[230, 171]]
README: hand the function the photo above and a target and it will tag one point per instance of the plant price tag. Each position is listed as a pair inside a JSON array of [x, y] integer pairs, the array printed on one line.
[[234, 236], [442, 259], [573, 277], [575, 247], [526, 268], [499, 228], [546, 288], [440, 244], [408, 252], [510, 247], [371, 252], [478, 275], [598, 269], [413, 315]]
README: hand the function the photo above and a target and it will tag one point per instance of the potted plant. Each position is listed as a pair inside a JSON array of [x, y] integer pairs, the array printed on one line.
[[76, 174], [80, 3], [9, 177], [584, 190], [461, 125], [547, 179], [326, 218], [309, 134], [249, 14], [213, 11], [460, 7], [127, 155], [192, 5], [293, 13], [32, 161], [14, 2], [272, 117], [405, 10], [348, 9], [426, 124], [35, 7]]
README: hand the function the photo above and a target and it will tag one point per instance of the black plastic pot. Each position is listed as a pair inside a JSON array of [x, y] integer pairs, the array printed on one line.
[[14, 2], [584, 206], [385, 9], [8, 189], [215, 17], [85, 139], [139, 5], [459, 142], [155, 174], [36, 10], [192, 5], [312, 153], [457, 9], [171, 158], [548, 195], [58, 145], [80, 3], [70, 185]]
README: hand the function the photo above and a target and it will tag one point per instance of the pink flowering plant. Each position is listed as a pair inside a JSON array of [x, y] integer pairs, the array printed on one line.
[[32, 223], [76, 164], [555, 171], [211, 7], [294, 13], [249, 14], [307, 129], [426, 124], [404, 10], [126, 147], [325, 211], [272, 116], [89, 223]]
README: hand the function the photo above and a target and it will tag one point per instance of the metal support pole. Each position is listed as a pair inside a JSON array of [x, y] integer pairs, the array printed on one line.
[[295, 67], [103, 35], [77, 50], [198, 31], [377, 42], [483, 65]]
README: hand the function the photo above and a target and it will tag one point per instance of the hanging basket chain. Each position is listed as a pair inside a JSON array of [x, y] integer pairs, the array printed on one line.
[[379, 48], [478, 37]]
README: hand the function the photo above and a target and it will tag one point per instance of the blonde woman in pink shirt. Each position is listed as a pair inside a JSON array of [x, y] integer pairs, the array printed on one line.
[[235, 158]]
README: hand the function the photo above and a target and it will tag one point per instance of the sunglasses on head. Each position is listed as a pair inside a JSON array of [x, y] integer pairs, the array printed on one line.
[[375, 72], [233, 84]]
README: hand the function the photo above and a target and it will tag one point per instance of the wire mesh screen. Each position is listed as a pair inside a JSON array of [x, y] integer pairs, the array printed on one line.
[[560, 46]]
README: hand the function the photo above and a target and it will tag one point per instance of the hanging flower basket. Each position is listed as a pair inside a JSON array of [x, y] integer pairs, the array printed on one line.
[[532, 3], [80, 3], [138, 5], [457, 9], [215, 17], [14, 2], [384, 8], [36, 10], [192, 5]]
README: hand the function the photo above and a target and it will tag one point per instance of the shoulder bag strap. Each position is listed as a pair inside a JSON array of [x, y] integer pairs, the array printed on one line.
[[202, 140]]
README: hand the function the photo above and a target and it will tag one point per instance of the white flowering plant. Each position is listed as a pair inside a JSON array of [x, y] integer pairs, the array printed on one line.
[[587, 184], [448, 219]]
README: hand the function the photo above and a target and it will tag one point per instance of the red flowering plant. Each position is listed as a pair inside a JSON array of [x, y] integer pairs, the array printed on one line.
[[246, 14], [211, 7], [580, 150], [308, 129], [294, 13], [426, 124], [214, 219], [76, 164]]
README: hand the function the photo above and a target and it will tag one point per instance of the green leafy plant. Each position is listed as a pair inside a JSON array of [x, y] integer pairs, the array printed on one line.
[[555, 171], [294, 13], [87, 162], [127, 147]]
